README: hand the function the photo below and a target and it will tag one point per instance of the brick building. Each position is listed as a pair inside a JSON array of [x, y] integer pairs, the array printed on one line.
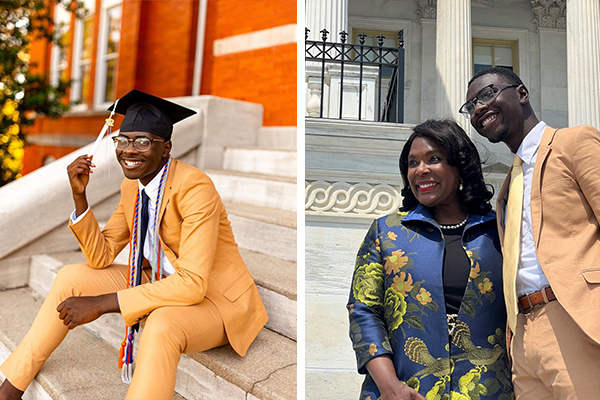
[[238, 49]]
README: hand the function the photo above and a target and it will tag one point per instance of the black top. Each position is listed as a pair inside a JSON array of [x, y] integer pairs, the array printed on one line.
[[456, 269]]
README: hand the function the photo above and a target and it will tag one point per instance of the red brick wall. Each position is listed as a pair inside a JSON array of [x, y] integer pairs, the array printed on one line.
[[158, 42], [34, 156], [128, 47], [166, 47], [265, 76]]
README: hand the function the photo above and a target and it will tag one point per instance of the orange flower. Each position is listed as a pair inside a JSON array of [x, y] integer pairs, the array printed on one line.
[[403, 283], [394, 262], [350, 308], [424, 296], [372, 349], [377, 245], [475, 271], [485, 286], [392, 235]]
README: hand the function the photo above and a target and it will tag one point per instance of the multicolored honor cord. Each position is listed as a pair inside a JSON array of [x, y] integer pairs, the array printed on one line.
[[126, 352]]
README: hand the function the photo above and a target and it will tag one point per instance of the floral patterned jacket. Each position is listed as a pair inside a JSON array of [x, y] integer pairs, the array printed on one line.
[[397, 308]]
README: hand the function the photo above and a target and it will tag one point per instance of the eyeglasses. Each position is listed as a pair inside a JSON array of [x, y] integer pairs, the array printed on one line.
[[485, 96], [141, 144]]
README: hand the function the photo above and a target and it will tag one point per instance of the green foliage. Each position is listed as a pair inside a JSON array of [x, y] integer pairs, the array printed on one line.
[[24, 95]]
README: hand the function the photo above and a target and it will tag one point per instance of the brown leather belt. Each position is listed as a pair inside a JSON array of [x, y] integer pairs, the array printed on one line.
[[532, 300]]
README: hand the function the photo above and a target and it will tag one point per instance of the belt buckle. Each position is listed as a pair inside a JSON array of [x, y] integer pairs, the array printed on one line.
[[531, 306]]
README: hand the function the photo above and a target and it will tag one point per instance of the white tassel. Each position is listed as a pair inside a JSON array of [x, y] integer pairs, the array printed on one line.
[[127, 373], [109, 123]]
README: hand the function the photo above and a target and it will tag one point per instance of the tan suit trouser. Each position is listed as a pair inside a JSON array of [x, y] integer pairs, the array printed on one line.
[[553, 358], [168, 332]]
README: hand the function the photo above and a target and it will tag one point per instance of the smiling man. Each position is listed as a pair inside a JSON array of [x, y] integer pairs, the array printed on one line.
[[185, 277], [551, 245]]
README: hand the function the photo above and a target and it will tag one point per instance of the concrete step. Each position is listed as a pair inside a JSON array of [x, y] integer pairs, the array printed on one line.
[[255, 160], [61, 377], [277, 285], [275, 280], [277, 137], [260, 190], [264, 230], [267, 372]]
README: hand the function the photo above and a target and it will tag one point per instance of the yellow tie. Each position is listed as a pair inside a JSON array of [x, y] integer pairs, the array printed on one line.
[[512, 241]]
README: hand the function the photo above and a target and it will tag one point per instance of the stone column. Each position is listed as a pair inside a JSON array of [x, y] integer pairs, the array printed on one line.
[[583, 62], [453, 58], [550, 17], [333, 16], [427, 11], [326, 14], [428, 73]]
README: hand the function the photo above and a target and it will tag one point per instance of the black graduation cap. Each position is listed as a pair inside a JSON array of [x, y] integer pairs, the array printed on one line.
[[147, 113]]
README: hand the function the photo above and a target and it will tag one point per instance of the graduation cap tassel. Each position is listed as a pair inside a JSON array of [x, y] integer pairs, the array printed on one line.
[[109, 122], [108, 151]]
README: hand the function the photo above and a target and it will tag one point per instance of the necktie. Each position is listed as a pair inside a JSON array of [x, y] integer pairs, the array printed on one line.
[[512, 241], [143, 237], [140, 262]]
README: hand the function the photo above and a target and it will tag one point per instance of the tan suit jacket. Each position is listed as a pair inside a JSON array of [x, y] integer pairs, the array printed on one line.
[[196, 237], [565, 211]]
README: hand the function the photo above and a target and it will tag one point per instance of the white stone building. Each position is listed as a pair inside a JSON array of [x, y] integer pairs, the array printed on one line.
[[352, 166]]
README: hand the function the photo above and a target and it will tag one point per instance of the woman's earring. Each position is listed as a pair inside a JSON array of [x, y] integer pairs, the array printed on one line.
[[460, 185]]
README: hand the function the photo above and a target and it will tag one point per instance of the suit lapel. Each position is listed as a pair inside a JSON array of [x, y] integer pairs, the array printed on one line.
[[536, 184], [128, 198]]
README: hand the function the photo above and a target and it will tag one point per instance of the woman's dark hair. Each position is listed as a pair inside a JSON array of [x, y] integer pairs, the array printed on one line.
[[475, 195]]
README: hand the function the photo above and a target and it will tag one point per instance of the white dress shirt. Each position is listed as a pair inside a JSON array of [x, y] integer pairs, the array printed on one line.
[[530, 276], [152, 193]]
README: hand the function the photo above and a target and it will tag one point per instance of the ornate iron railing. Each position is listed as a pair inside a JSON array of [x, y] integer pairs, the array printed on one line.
[[387, 60]]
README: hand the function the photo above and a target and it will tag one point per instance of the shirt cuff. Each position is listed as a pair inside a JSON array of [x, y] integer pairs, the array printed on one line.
[[75, 219]]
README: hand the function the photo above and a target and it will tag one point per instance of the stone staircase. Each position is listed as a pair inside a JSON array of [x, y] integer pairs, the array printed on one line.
[[258, 186]]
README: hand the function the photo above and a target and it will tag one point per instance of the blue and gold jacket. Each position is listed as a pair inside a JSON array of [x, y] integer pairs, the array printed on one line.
[[397, 307]]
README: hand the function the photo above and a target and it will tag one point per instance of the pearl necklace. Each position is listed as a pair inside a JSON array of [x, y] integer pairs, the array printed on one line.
[[456, 226]]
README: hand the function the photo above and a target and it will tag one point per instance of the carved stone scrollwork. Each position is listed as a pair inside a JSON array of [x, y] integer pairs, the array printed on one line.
[[550, 13], [350, 198], [427, 9]]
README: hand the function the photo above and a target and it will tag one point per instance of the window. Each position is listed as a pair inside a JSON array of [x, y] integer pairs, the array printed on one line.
[[495, 53], [82, 58], [60, 53], [108, 53]]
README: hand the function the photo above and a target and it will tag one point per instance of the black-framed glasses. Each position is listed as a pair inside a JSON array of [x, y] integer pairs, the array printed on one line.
[[141, 143], [484, 96]]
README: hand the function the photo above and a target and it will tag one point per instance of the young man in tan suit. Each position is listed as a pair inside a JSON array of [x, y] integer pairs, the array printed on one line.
[[551, 251], [190, 286]]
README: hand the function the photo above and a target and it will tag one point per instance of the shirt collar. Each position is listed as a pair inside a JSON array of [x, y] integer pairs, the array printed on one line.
[[529, 147], [422, 213], [152, 187]]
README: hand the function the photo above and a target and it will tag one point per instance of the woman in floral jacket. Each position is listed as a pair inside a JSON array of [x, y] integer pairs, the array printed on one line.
[[426, 308]]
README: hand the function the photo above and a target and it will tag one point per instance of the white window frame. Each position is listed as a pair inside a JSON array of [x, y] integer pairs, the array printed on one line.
[[78, 35], [100, 79], [521, 36], [64, 16]]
